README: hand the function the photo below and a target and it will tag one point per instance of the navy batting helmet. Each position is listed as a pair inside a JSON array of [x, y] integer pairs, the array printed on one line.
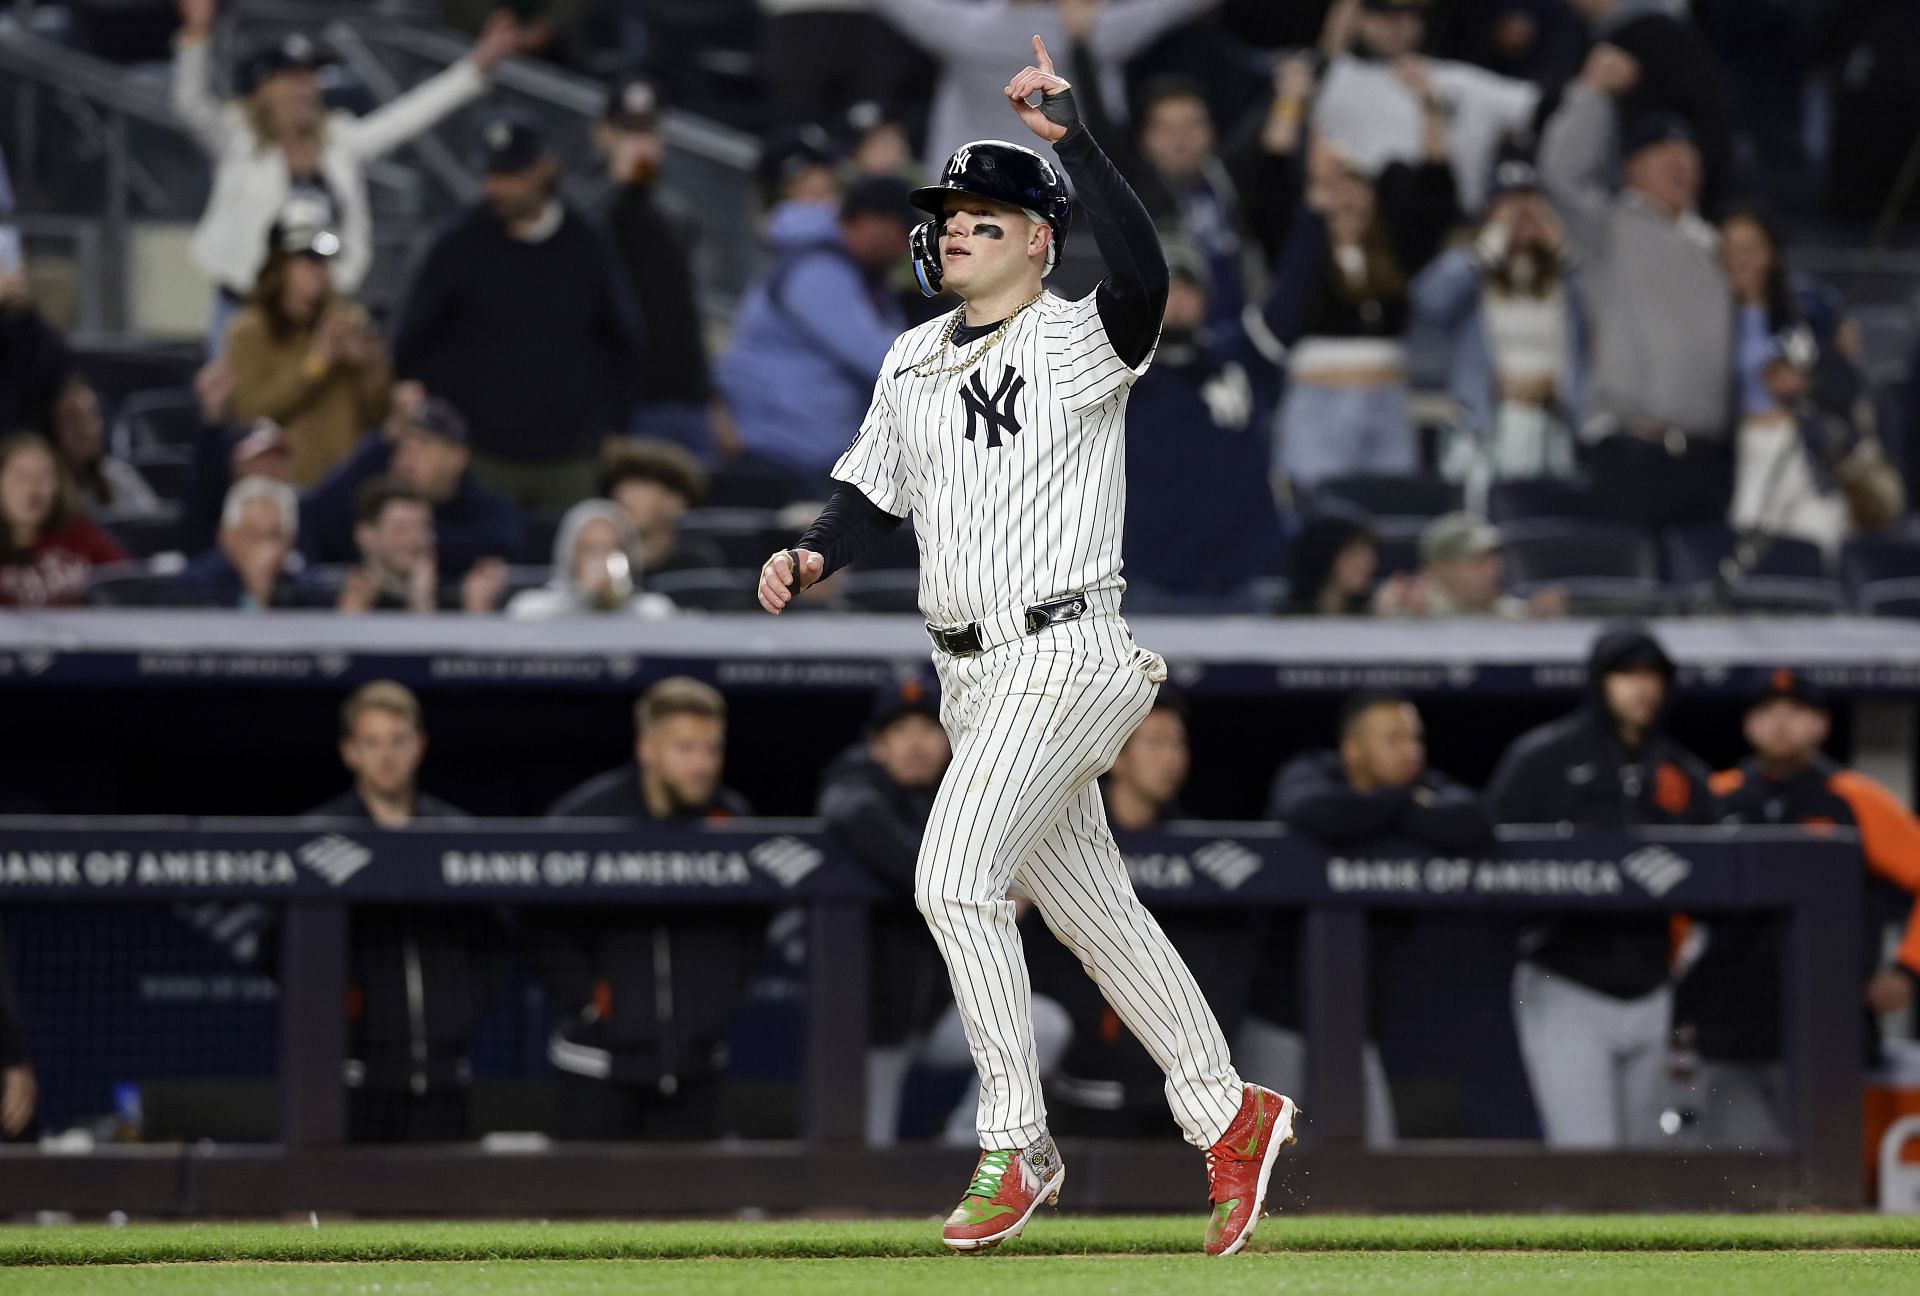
[[1000, 171]]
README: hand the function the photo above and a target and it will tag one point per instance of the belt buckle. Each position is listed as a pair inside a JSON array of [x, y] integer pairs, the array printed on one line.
[[961, 642], [1042, 615]]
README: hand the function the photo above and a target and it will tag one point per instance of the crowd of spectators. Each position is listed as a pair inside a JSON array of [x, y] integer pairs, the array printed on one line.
[[1529, 245]]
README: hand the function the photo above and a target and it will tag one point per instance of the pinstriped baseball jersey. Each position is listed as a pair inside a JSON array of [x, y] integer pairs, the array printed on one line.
[[1014, 470]]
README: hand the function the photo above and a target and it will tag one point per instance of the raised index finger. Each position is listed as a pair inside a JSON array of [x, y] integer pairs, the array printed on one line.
[[1041, 57]]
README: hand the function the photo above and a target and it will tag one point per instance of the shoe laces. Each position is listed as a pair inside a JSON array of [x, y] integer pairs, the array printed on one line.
[[988, 1174], [1213, 1169]]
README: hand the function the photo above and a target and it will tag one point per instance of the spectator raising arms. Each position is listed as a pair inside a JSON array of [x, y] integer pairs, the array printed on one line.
[[1663, 318], [593, 569], [280, 142], [304, 356], [1379, 90], [48, 547], [106, 485], [1354, 247], [1511, 309], [521, 317]]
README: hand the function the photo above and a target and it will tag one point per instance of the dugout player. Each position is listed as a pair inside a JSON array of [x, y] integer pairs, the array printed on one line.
[[876, 798], [1000, 427], [1107, 1085], [1728, 1006], [1592, 998]]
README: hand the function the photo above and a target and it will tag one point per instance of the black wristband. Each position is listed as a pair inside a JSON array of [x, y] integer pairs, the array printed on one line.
[[1060, 109]]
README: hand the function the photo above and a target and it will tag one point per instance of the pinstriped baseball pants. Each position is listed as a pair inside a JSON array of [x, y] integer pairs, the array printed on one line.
[[1034, 723]]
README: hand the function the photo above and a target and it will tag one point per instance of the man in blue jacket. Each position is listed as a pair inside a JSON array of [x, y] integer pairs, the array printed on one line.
[[425, 447], [812, 332]]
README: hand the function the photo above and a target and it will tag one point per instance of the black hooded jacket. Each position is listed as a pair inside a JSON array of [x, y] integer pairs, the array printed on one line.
[[1578, 771], [1311, 557], [879, 824]]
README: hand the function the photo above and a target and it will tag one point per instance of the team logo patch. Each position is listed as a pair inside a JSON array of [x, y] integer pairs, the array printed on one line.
[[995, 409]]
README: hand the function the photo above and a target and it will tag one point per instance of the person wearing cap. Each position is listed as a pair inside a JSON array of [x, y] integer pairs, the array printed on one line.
[[1374, 788], [1512, 310], [425, 445], [1460, 576], [811, 332], [1201, 522], [521, 316], [303, 354], [1593, 996], [254, 565], [279, 142], [1727, 1011], [1679, 72], [1379, 89], [1660, 407], [675, 391]]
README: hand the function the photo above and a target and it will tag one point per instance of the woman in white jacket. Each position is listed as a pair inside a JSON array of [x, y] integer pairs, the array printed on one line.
[[280, 140]]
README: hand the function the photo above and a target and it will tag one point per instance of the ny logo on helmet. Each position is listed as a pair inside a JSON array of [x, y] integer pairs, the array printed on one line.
[[995, 410]]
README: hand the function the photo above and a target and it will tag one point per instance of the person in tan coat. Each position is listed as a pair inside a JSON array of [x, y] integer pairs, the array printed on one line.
[[306, 357]]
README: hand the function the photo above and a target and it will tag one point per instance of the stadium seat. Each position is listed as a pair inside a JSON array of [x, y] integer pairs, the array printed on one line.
[[1880, 572], [147, 534], [753, 482], [167, 469], [709, 589], [115, 373], [132, 585], [1520, 498], [1398, 543], [160, 418], [542, 529], [745, 535], [1773, 574], [881, 590], [1606, 568], [1415, 495]]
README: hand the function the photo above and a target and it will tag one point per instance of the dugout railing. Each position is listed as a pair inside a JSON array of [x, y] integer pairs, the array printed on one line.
[[312, 874]]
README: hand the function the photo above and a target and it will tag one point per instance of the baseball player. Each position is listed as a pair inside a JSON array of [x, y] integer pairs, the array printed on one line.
[[1000, 427]]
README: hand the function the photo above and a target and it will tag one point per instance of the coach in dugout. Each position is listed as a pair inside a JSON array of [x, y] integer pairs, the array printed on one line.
[[643, 1001], [1107, 1085], [1728, 1008], [1592, 998], [1375, 787], [418, 975]]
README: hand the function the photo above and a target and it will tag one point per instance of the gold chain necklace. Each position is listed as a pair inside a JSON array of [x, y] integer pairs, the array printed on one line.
[[992, 340]]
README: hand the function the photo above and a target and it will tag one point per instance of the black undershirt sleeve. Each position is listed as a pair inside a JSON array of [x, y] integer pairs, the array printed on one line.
[[847, 527], [1133, 296]]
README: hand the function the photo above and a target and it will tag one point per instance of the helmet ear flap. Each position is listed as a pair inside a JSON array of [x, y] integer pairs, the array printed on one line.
[[924, 244]]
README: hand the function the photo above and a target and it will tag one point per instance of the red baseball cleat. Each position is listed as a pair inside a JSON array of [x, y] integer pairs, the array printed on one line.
[[1238, 1166], [1007, 1187]]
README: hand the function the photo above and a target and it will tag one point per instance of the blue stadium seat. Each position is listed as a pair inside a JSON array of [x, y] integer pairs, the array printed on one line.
[[134, 585], [709, 589], [145, 535], [1398, 543], [1606, 568], [1713, 569], [745, 536], [1520, 498], [1382, 496], [158, 418], [880, 590], [168, 469], [542, 530], [1881, 572], [116, 373], [754, 482]]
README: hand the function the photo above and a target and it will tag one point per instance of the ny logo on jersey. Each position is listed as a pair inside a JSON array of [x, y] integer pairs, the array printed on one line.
[[996, 410]]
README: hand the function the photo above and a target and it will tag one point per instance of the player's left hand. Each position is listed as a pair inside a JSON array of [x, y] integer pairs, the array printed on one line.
[[1039, 76]]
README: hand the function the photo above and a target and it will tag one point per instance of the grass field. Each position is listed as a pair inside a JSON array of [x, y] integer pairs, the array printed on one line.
[[1860, 1255]]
